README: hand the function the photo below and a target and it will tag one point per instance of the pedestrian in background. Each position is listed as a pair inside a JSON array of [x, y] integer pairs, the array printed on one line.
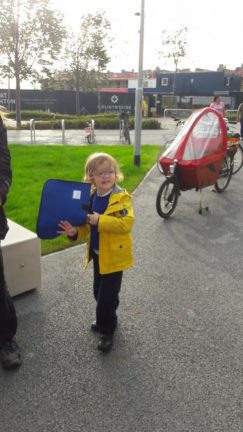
[[218, 105], [10, 353], [109, 240], [239, 118]]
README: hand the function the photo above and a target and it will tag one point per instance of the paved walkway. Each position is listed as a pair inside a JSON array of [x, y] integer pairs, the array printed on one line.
[[103, 136], [176, 365]]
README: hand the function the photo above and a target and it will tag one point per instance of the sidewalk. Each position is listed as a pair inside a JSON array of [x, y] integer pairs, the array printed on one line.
[[103, 136], [176, 364]]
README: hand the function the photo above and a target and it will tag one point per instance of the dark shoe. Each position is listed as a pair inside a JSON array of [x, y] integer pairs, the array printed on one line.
[[94, 327], [10, 355], [105, 342]]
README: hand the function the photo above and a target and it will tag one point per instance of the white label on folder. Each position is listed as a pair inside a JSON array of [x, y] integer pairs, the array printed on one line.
[[76, 194]]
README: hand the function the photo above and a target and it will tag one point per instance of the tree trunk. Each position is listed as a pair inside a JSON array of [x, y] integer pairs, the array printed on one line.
[[18, 101], [77, 86], [99, 102], [77, 102], [17, 97]]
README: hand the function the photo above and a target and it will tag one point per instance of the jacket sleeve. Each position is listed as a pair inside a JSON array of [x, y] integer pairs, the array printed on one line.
[[5, 164], [83, 233], [121, 222]]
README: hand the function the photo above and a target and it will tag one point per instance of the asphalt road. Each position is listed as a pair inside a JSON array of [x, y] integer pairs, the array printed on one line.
[[176, 364]]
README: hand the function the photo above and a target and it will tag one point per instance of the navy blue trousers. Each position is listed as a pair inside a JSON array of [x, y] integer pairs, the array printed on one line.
[[106, 292], [8, 319]]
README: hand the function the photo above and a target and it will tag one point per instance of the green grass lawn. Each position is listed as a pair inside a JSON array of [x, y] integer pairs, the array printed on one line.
[[33, 165]]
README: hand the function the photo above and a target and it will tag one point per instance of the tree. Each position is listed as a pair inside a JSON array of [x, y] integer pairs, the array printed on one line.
[[175, 48], [87, 54], [175, 45], [31, 35]]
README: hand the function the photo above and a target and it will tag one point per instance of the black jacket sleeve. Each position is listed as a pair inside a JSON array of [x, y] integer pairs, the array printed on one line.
[[5, 164], [5, 177]]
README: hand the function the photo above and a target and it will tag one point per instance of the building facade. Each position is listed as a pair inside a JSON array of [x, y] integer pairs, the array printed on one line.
[[161, 90]]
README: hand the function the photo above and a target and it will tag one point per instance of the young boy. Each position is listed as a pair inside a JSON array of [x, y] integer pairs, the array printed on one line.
[[109, 240]]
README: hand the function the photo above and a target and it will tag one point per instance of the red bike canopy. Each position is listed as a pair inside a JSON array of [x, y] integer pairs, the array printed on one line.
[[199, 148]]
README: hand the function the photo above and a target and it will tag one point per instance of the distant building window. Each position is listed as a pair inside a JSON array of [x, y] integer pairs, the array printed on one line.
[[164, 82]]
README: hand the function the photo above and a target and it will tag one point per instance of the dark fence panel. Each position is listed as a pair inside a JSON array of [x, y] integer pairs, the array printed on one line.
[[63, 102]]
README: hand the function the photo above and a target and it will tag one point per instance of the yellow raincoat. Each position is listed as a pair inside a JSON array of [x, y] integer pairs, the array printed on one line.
[[115, 238]]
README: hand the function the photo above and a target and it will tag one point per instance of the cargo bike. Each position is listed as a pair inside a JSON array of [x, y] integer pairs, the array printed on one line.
[[200, 156]]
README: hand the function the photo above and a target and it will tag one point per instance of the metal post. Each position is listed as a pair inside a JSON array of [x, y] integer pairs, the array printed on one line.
[[63, 131], [32, 131], [93, 131], [139, 91]]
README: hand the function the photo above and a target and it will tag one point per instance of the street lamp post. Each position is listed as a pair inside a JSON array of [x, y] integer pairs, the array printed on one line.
[[139, 91]]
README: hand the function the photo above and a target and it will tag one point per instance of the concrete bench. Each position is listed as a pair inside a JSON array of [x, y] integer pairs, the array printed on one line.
[[21, 250]]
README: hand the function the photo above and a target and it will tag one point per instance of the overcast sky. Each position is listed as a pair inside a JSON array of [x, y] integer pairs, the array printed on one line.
[[214, 34], [214, 30]]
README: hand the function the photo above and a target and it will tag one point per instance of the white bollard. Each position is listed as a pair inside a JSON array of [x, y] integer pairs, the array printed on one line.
[[63, 131], [32, 131]]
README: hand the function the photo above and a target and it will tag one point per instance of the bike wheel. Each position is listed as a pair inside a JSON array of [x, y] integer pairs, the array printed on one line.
[[238, 160], [167, 198], [224, 175]]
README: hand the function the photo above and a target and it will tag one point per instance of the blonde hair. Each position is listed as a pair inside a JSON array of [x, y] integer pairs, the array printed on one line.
[[96, 159]]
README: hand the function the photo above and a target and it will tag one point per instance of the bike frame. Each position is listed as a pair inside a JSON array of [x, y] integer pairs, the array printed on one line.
[[173, 175], [89, 133]]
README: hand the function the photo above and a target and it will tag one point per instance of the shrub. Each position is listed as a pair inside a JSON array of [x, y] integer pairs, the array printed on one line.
[[46, 120], [151, 124]]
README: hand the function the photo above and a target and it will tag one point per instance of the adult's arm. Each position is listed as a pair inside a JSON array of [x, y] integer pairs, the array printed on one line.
[[5, 164]]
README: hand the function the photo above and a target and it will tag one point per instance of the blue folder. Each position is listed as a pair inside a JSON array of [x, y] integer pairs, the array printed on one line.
[[62, 200]]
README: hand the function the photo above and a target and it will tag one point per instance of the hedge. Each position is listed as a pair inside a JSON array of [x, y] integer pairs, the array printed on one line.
[[45, 120]]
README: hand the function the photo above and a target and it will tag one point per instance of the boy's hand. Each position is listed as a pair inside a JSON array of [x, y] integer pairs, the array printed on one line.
[[67, 229], [93, 218]]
